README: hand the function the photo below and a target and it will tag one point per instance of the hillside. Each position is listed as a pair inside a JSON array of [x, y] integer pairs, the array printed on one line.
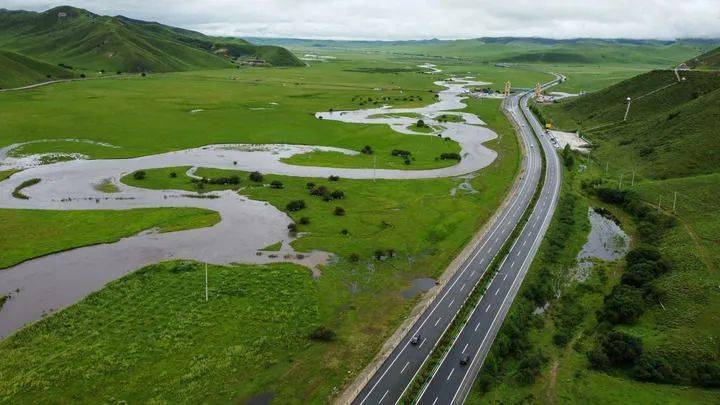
[[709, 60], [671, 129], [87, 41], [18, 70]]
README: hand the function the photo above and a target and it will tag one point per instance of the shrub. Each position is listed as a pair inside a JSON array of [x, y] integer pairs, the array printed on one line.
[[257, 177], [339, 211], [337, 195], [354, 257], [529, 367], [598, 359], [173, 175], [139, 175], [707, 375], [292, 228], [304, 221], [82, 75], [310, 185], [295, 205], [620, 348], [400, 152], [367, 150], [623, 305], [277, 184], [450, 156], [334, 178], [320, 191], [344, 232], [655, 368], [420, 124], [322, 333]]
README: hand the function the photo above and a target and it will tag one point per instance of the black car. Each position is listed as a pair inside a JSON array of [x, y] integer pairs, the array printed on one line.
[[415, 339], [464, 360]]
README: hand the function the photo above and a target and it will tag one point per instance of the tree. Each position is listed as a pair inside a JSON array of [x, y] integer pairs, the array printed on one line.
[[367, 150], [139, 175], [334, 178], [420, 124], [277, 184], [173, 175], [620, 348], [337, 195], [256, 177], [310, 185], [292, 228], [354, 257], [295, 205], [304, 221], [655, 368], [339, 211], [624, 305]]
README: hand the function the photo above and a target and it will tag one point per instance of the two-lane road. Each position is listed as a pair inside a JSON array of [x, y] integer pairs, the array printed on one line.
[[393, 377], [452, 381]]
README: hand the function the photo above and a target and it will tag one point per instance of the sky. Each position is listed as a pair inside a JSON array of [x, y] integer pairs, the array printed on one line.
[[417, 19]]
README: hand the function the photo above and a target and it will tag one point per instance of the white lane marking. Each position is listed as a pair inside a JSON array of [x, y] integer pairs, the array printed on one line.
[[404, 367], [421, 343], [438, 321], [462, 287], [435, 401], [505, 277], [451, 302], [524, 242], [512, 264], [477, 326], [449, 375], [488, 307], [465, 348], [497, 291], [384, 395]]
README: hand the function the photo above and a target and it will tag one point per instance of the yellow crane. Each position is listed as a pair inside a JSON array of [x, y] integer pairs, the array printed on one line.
[[506, 92], [538, 90]]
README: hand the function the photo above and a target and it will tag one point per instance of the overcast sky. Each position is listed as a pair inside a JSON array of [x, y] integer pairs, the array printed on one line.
[[417, 19]]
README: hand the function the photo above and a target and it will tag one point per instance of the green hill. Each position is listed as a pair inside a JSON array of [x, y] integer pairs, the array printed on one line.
[[83, 40], [709, 60], [18, 70], [671, 130]]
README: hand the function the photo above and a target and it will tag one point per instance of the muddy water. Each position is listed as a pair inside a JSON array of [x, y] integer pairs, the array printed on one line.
[[46, 284], [418, 286], [606, 241]]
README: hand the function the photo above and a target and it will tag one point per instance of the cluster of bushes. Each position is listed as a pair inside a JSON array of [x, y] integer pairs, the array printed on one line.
[[367, 149], [403, 154], [295, 205], [139, 175], [450, 156], [381, 254], [257, 177], [231, 180], [325, 193], [323, 334], [568, 157]]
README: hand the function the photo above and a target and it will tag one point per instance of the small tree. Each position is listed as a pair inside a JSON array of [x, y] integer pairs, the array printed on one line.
[[322, 333], [367, 150], [304, 221], [310, 185], [257, 177], [139, 175], [173, 175], [295, 205], [420, 124], [292, 228], [337, 195], [354, 257], [339, 211], [334, 178], [277, 184]]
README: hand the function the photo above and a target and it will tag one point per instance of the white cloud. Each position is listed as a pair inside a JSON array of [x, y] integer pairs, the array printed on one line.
[[418, 19]]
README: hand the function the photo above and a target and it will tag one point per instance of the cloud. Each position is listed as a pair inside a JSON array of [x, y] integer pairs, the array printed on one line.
[[418, 19]]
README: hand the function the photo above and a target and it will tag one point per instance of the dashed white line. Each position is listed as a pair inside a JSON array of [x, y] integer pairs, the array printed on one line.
[[497, 291], [384, 395], [451, 302], [435, 401], [448, 377], [438, 321], [404, 367], [512, 264], [505, 277], [477, 326], [465, 348], [462, 287], [488, 307], [421, 343]]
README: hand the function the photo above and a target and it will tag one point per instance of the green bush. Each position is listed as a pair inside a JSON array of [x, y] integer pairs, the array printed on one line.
[[295, 205]]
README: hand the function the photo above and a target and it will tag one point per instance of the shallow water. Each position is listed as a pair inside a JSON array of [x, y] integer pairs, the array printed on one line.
[[606, 241], [46, 284], [418, 286]]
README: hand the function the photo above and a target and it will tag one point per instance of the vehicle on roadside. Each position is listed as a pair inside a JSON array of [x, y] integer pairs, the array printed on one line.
[[465, 360], [416, 339]]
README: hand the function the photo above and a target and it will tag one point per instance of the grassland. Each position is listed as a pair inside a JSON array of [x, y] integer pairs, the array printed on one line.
[[19, 70], [360, 301], [25, 234]]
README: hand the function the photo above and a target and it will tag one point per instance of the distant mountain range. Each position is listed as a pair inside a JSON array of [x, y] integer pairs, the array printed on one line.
[[78, 40]]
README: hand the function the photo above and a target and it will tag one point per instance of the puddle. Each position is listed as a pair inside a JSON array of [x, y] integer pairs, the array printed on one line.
[[606, 241], [418, 286]]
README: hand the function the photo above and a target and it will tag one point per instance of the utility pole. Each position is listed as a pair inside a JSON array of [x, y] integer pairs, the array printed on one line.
[[674, 201], [206, 282], [627, 111]]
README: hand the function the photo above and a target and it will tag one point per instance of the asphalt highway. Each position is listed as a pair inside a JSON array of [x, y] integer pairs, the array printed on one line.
[[452, 382]]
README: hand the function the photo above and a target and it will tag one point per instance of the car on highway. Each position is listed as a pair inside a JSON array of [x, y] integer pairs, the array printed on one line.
[[465, 360], [416, 339]]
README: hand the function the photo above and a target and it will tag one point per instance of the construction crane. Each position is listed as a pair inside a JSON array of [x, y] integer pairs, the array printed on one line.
[[538, 91], [506, 92]]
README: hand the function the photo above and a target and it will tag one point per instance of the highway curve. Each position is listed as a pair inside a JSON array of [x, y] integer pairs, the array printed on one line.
[[451, 382]]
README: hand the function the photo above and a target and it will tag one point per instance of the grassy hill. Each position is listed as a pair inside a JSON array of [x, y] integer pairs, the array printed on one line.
[[671, 130], [18, 70], [87, 41], [709, 60]]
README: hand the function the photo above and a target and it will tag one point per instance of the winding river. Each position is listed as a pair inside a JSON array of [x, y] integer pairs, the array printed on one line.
[[46, 284]]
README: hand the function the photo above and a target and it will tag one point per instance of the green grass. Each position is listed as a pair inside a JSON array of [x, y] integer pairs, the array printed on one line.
[[17, 193], [106, 186], [710, 60], [18, 70], [25, 234], [669, 132], [4, 174], [275, 247]]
